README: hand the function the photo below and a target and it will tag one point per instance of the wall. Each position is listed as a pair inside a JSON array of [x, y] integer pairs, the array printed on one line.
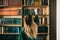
[[58, 19]]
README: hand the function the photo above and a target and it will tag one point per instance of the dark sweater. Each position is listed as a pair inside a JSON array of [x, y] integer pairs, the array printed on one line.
[[25, 37]]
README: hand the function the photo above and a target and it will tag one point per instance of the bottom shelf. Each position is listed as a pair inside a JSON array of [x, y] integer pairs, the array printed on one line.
[[9, 37], [42, 37]]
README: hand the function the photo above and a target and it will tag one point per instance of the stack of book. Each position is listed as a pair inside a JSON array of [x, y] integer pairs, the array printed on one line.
[[8, 29], [44, 2], [39, 11], [11, 21], [26, 11], [41, 37], [19, 12], [29, 2], [4, 2], [14, 2], [8, 37], [9, 12], [42, 29], [36, 2], [0, 29], [43, 21], [1, 2]]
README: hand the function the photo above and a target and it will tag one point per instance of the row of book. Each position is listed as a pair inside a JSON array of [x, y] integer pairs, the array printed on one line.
[[40, 21], [42, 37], [9, 37], [11, 2], [35, 2], [10, 11], [42, 29], [39, 11], [10, 29], [14, 29], [11, 21]]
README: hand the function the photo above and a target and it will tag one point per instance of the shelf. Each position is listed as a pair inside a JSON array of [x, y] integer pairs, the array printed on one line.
[[12, 25], [42, 33], [3, 6], [35, 6], [32, 7], [40, 16], [12, 16], [43, 24], [11, 33]]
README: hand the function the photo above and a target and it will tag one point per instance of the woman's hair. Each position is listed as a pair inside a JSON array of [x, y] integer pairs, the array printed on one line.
[[30, 26], [28, 20]]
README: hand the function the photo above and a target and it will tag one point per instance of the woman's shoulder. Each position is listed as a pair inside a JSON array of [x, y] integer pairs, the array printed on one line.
[[34, 24], [25, 37]]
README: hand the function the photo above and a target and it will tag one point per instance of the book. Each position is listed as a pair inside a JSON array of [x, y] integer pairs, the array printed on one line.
[[0, 29], [36, 3], [26, 11], [1, 2], [40, 2], [8, 37], [28, 2], [44, 11], [42, 29], [35, 11], [8, 29], [40, 21], [41, 37], [19, 11], [44, 20], [36, 19], [39, 11], [11, 21], [44, 2], [14, 2], [32, 12], [5, 2]]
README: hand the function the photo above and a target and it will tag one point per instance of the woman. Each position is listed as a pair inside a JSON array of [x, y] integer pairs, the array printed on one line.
[[30, 28]]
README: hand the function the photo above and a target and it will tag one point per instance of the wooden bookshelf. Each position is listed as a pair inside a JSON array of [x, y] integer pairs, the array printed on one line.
[[11, 7], [42, 33], [38, 4], [10, 33]]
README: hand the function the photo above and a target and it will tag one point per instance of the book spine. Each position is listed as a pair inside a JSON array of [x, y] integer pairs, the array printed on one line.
[[44, 21], [1, 2], [40, 2], [44, 11], [5, 2], [39, 11], [35, 11], [40, 21], [32, 2]]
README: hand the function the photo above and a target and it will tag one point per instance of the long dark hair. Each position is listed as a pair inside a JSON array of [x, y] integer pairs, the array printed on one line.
[[28, 20]]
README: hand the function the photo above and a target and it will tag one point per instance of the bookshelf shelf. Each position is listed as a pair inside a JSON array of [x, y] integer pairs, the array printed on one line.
[[12, 25], [42, 33], [32, 7], [10, 33], [12, 12], [43, 24], [41, 9]]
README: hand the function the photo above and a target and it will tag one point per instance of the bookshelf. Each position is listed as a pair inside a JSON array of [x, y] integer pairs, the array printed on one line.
[[12, 13], [39, 9], [10, 19]]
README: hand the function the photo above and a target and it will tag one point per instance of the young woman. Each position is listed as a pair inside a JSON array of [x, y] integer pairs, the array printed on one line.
[[30, 28]]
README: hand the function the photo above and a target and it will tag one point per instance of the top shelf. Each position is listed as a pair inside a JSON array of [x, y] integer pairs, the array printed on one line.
[[42, 6]]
